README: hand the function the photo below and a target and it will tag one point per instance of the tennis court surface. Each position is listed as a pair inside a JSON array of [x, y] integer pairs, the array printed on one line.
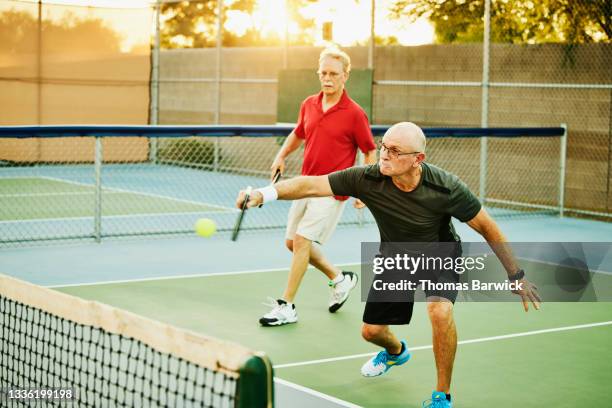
[[75, 200], [558, 356], [110, 154]]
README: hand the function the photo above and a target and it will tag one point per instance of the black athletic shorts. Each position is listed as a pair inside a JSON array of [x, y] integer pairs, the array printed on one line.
[[391, 312], [398, 311]]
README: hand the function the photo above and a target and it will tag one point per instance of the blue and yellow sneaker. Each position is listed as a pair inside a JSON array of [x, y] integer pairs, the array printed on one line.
[[383, 361], [438, 400]]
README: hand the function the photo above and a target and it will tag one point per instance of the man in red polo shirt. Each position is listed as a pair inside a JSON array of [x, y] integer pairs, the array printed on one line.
[[333, 126]]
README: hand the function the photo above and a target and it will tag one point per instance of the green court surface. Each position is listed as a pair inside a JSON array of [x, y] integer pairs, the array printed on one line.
[[44, 198], [552, 357]]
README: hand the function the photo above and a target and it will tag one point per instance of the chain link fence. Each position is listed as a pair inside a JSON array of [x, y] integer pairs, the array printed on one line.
[[96, 187], [548, 84], [533, 81]]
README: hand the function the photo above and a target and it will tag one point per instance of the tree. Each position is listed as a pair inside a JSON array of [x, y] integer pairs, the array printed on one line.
[[18, 30], [514, 21], [77, 34], [383, 41], [193, 24], [188, 24]]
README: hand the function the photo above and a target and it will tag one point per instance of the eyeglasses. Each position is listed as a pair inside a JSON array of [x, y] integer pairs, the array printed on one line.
[[393, 152], [331, 74]]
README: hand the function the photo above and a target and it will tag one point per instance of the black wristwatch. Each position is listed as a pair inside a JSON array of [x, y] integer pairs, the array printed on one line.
[[520, 274]]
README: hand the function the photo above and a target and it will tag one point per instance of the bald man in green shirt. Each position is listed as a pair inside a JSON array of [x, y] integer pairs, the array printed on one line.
[[411, 201]]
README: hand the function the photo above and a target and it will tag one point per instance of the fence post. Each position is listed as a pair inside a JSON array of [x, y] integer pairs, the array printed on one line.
[[372, 42], [154, 86], [484, 114], [562, 166], [218, 66], [98, 190], [360, 214]]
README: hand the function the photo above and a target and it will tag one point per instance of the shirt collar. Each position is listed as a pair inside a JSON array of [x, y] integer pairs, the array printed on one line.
[[343, 103]]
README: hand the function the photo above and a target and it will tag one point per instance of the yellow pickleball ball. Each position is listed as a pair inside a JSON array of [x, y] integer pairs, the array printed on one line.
[[205, 227]]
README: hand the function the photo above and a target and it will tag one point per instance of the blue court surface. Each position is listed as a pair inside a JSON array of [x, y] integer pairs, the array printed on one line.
[[58, 202]]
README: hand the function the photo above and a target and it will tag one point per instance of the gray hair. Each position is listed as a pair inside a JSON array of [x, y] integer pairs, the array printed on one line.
[[337, 54]]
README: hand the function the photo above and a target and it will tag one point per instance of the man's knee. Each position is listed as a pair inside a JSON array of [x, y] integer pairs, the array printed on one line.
[[371, 331], [289, 244], [440, 312], [300, 243]]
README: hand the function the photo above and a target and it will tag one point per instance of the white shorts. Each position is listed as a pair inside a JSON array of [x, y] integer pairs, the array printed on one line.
[[314, 218]]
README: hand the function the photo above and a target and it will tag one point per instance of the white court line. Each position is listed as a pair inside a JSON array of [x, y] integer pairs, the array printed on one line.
[[198, 275], [60, 193], [315, 393], [180, 200], [18, 177], [471, 341], [89, 218]]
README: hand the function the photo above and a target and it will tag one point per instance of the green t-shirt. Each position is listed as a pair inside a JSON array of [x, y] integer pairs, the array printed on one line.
[[422, 215]]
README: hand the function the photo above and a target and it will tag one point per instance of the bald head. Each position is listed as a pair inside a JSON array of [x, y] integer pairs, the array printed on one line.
[[408, 135]]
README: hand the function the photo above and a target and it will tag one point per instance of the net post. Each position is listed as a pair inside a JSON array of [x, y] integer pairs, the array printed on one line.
[[98, 190], [562, 166], [256, 383], [482, 188], [216, 155]]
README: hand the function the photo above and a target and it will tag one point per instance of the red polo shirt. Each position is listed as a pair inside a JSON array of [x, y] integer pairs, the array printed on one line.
[[332, 137]]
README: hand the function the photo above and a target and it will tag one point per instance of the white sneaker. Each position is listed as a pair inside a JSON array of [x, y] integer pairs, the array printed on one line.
[[341, 290], [281, 313], [383, 361]]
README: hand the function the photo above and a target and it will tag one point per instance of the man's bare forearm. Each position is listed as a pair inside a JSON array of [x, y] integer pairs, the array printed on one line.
[[485, 226], [503, 251], [292, 143], [303, 187]]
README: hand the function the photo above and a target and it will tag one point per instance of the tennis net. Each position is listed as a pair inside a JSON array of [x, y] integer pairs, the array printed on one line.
[[57, 348], [100, 181]]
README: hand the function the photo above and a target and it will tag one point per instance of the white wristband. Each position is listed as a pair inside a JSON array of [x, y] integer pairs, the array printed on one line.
[[269, 193]]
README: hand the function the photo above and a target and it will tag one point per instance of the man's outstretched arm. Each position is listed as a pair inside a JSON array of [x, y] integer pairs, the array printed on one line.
[[485, 226], [292, 189]]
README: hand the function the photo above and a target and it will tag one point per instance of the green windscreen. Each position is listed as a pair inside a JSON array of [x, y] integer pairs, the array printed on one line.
[[294, 85]]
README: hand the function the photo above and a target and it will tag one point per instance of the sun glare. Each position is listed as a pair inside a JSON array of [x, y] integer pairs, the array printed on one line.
[[350, 21], [418, 33], [238, 22], [270, 18]]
